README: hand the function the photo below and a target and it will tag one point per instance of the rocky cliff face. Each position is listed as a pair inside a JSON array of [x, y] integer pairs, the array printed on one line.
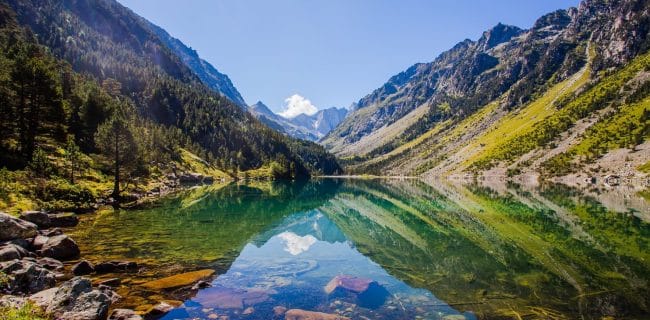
[[506, 63]]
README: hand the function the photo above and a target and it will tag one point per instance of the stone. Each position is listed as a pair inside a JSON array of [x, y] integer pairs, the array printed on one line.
[[368, 293], [39, 218], [12, 228], [39, 241], [74, 299], [160, 309], [27, 276], [112, 282], [52, 232], [116, 266], [67, 219], [202, 284], [11, 251], [346, 282], [179, 280], [124, 314], [50, 264], [82, 268], [299, 314], [59, 247], [249, 310]]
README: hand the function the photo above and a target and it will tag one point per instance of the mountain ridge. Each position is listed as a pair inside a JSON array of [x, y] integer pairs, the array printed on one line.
[[410, 124]]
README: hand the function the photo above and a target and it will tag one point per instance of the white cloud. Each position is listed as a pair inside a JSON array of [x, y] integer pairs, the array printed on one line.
[[295, 244], [297, 104]]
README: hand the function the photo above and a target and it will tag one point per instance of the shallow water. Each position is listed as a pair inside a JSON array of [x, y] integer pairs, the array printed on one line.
[[413, 250]]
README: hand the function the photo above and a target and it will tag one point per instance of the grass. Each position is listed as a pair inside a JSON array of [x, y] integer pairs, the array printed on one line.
[[626, 127], [26, 312], [545, 131], [645, 168], [194, 163], [501, 134]]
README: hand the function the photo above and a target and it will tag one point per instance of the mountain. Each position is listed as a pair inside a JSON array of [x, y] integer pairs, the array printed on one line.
[[203, 69], [104, 61], [514, 101], [303, 126]]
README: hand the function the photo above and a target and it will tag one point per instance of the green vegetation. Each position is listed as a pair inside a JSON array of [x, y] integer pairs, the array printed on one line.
[[626, 127], [26, 312], [584, 104], [73, 114]]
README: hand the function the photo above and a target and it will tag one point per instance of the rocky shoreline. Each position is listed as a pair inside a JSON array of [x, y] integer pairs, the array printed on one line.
[[40, 265]]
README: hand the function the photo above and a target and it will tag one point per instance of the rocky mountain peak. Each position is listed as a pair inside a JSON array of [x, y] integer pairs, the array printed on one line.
[[498, 34], [555, 20]]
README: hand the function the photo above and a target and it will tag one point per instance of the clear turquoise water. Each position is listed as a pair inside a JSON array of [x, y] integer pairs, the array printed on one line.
[[432, 251]]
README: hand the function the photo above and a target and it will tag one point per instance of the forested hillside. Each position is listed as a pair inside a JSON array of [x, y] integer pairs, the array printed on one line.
[[549, 100], [89, 91]]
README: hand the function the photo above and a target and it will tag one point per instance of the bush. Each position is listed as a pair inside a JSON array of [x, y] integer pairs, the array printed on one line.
[[59, 194]]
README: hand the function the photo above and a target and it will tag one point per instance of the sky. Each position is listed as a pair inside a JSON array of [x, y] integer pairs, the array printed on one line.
[[303, 55]]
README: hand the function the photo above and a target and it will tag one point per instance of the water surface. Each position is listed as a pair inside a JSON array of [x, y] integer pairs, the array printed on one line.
[[428, 251]]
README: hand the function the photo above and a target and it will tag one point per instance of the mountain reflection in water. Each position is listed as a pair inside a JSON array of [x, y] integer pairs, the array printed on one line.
[[385, 249]]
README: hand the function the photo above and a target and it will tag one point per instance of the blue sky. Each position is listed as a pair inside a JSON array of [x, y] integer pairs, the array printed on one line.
[[331, 52]]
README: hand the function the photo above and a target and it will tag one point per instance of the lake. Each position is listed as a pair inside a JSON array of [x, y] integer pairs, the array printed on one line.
[[385, 249]]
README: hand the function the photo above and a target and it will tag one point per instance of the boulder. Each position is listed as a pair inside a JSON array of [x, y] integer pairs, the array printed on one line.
[[179, 280], [51, 232], [39, 218], [39, 241], [59, 247], [50, 264], [82, 268], [116, 266], [124, 314], [202, 284], [112, 282], [11, 251], [12, 228], [368, 293], [74, 299], [299, 314], [27, 276], [159, 310], [66, 219]]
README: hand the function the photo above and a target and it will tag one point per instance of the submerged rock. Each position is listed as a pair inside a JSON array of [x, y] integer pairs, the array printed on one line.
[[179, 280], [60, 247], [299, 314], [116, 266], [82, 268], [12, 228], [124, 314], [368, 293], [67, 219], [160, 309], [39, 218], [231, 298]]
